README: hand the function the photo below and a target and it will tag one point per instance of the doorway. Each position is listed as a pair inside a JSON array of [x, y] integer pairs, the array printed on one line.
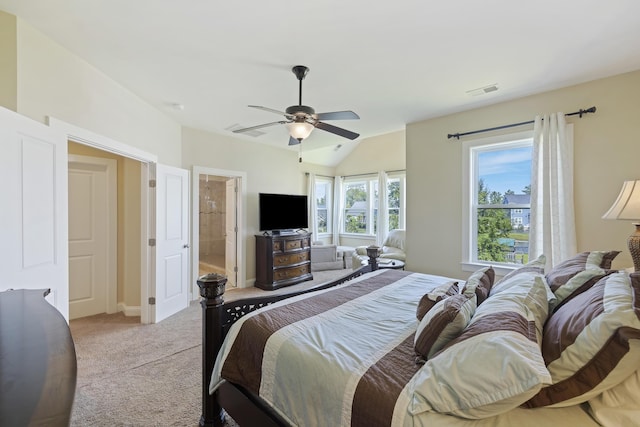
[[217, 224]]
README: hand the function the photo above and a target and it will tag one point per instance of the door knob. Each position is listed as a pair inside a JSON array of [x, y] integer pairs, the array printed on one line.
[[186, 245]]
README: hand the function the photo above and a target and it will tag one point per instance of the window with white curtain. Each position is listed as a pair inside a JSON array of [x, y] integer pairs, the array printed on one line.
[[361, 203], [496, 200], [324, 205]]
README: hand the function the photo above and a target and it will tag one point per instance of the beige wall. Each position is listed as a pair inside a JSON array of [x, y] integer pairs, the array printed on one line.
[[384, 152], [129, 228], [53, 82], [8, 61], [607, 149]]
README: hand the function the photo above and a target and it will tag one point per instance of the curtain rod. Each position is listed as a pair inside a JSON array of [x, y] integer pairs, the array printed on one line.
[[372, 173], [360, 174], [458, 135]]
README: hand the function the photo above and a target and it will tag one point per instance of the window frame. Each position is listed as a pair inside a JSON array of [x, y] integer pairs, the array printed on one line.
[[369, 182], [470, 150], [328, 182]]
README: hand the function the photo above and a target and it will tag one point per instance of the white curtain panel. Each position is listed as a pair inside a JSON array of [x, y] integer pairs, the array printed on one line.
[[312, 205], [337, 209], [383, 209], [552, 231]]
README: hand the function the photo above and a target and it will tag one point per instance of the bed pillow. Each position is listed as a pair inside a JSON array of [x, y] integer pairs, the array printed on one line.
[[495, 365], [578, 273], [592, 342], [479, 284], [618, 406], [535, 268], [429, 300], [445, 321]]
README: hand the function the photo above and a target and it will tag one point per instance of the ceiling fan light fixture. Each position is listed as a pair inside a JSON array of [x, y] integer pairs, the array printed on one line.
[[300, 130]]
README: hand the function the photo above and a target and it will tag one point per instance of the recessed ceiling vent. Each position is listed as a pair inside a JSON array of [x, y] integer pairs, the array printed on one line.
[[255, 133], [483, 90]]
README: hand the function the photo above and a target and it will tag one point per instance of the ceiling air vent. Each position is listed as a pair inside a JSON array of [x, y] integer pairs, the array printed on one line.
[[483, 90], [254, 133]]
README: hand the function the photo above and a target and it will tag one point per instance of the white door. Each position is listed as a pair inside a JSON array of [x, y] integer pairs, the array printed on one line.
[[231, 233], [172, 242], [92, 236], [33, 217]]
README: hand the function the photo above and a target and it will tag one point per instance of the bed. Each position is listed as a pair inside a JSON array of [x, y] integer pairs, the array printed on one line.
[[399, 348]]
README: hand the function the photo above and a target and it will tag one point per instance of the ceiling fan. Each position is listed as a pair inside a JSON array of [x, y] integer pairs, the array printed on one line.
[[301, 119]]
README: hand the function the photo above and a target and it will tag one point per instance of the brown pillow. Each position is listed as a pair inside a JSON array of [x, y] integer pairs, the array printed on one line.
[[430, 299], [588, 343], [444, 322], [578, 273], [479, 284]]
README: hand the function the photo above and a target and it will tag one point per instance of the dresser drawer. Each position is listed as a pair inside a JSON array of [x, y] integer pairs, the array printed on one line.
[[291, 272], [290, 259]]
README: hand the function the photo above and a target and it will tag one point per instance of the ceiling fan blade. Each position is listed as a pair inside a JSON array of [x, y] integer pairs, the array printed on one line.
[[293, 141], [338, 115], [281, 122], [335, 129], [271, 110]]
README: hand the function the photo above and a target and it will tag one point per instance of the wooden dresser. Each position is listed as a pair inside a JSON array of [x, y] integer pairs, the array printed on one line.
[[282, 260], [37, 361]]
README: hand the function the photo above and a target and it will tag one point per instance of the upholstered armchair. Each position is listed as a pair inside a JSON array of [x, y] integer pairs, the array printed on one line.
[[392, 248], [325, 257]]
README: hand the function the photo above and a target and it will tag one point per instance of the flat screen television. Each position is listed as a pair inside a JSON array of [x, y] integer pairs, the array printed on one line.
[[278, 212]]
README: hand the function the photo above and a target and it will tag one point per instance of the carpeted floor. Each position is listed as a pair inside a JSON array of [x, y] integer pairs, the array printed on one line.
[[130, 374]]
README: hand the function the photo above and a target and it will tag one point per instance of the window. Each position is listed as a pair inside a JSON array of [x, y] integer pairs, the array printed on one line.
[[361, 203], [324, 205], [497, 200], [359, 197]]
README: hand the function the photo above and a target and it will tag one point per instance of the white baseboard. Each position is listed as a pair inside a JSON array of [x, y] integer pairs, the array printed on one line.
[[129, 311]]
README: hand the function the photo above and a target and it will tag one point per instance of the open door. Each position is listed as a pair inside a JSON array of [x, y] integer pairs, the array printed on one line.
[[172, 242], [33, 218]]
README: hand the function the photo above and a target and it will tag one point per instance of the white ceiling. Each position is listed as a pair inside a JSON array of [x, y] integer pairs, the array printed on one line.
[[393, 63]]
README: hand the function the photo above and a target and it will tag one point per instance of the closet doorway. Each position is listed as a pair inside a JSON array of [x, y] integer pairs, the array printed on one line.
[[218, 223]]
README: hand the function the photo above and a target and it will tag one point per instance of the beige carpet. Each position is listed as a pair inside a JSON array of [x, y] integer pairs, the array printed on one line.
[[131, 374]]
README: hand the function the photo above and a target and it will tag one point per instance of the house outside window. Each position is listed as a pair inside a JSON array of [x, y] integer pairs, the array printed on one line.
[[324, 204], [497, 189]]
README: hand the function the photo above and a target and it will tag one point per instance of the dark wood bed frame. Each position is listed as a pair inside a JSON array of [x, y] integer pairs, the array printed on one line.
[[217, 317]]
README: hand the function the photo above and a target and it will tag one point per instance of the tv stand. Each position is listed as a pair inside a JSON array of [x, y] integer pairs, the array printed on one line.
[[282, 260]]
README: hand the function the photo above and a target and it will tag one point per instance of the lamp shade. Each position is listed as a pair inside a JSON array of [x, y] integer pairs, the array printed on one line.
[[300, 130], [627, 205]]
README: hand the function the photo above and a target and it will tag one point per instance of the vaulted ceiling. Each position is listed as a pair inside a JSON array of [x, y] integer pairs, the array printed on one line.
[[393, 63]]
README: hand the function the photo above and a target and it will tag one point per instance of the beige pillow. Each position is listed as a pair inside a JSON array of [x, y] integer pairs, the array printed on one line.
[[592, 342], [495, 365], [429, 300], [535, 267], [445, 321]]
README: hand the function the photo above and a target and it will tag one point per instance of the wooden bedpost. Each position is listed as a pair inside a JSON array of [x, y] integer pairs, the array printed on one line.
[[211, 290]]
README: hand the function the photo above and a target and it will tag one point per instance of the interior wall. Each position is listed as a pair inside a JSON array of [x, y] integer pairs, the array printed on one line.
[[606, 150], [8, 62], [129, 227], [51, 81], [383, 152]]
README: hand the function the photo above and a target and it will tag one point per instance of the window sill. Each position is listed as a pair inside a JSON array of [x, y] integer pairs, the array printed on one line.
[[500, 269]]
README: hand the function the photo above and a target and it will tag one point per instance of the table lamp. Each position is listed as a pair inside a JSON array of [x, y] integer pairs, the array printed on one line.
[[627, 207]]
